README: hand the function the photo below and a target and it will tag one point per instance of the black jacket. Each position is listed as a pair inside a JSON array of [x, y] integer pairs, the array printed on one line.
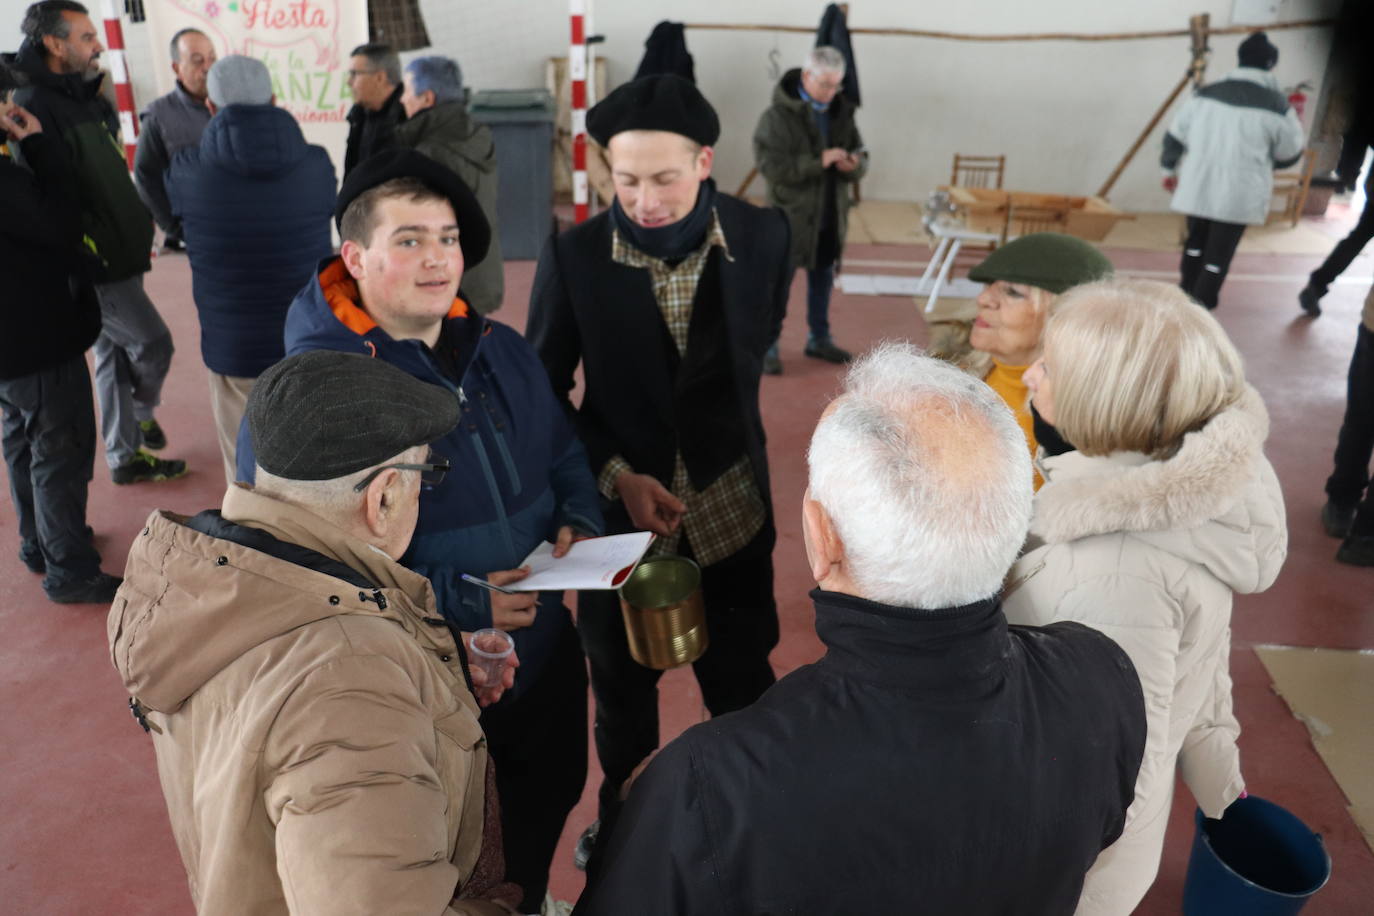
[[48, 310], [254, 201], [586, 308], [117, 226], [932, 762], [371, 132]]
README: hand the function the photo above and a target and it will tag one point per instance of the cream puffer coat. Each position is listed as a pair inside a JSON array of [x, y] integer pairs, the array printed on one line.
[[316, 740], [1150, 553]]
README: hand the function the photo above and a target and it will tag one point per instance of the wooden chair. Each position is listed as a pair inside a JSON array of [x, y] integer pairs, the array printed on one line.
[[978, 171], [1024, 220], [1290, 189]]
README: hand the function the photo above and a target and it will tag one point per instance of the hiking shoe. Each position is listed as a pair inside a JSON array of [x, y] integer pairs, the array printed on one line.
[[585, 844], [144, 466], [98, 589], [1337, 519], [824, 348], [153, 436], [1310, 300], [1357, 551], [31, 555]]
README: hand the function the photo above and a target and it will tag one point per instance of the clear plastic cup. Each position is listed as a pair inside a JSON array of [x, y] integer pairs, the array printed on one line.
[[488, 650]]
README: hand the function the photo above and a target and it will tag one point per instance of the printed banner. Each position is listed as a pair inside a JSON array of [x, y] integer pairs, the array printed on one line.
[[305, 44]]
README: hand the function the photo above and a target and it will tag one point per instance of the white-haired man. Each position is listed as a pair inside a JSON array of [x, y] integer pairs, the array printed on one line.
[[808, 148], [935, 758]]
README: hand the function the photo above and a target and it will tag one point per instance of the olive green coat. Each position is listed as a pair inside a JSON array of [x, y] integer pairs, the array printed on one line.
[[787, 149], [449, 136]]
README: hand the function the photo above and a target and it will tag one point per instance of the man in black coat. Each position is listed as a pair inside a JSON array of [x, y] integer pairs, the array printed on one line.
[[374, 78], [935, 760], [669, 301], [48, 317]]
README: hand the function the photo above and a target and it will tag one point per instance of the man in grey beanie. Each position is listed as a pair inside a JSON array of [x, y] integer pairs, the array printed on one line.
[[254, 201]]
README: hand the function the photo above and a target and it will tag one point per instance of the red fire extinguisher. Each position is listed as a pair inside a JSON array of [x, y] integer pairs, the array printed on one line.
[[1297, 97]]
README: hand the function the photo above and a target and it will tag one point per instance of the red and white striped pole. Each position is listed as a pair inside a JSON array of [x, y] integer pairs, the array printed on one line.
[[577, 74], [119, 69]]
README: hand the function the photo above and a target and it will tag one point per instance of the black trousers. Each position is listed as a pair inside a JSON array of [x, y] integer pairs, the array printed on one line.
[[1207, 254], [539, 746], [49, 445], [742, 626], [1346, 250], [1348, 484]]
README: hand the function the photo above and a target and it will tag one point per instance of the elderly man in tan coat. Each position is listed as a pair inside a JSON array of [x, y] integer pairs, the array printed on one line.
[[315, 726]]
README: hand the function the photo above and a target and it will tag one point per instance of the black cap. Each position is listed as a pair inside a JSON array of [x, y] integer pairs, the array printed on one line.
[[1257, 51], [474, 232], [323, 414], [660, 102]]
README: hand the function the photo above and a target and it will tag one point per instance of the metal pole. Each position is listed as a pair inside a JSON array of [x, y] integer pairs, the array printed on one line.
[[119, 69]]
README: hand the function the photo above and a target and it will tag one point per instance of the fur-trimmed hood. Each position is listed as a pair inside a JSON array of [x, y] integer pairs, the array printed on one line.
[[1216, 502]]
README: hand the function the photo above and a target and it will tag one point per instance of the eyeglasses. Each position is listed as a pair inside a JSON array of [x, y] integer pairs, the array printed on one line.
[[353, 73], [431, 472]]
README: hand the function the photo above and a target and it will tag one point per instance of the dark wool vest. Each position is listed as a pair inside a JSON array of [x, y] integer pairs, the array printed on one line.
[[706, 411]]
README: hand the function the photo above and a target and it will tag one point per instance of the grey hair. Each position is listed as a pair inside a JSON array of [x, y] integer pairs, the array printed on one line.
[[440, 75], [924, 473], [333, 499], [383, 57], [824, 59], [181, 33], [45, 18]]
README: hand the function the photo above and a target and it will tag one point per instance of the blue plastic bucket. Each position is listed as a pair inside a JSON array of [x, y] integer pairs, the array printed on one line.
[[1257, 859]]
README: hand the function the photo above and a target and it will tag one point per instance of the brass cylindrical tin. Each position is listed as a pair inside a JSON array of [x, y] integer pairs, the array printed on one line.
[[665, 621]]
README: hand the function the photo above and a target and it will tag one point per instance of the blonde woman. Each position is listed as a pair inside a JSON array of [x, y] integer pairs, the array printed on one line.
[[1167, 507], [1024, 278]]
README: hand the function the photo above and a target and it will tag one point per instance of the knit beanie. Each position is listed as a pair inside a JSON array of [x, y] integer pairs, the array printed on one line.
[[1256, 51], [239, 80], [1050, 260]]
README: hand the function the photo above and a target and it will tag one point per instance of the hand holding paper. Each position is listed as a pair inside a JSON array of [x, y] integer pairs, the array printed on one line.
[[592, 563]]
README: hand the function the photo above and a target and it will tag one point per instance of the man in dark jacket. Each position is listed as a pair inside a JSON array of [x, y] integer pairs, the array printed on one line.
[[935, 760], [519, 476], [374, 78], [437, 124], [60, 56], [255, 200], [173, 122], [669, 301], [48, 318], [809, 150]]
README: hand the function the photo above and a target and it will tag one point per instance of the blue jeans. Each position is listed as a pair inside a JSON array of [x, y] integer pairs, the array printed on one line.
[[819, 282]]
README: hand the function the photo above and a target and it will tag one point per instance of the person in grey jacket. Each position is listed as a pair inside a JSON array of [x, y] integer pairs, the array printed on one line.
[[173, 122], [1219, 158], [437, 124]]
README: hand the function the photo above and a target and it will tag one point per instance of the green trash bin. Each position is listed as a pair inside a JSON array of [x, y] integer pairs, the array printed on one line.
[[521, 122]]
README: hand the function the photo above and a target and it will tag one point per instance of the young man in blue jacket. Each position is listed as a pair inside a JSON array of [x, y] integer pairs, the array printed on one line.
[[519, 476]]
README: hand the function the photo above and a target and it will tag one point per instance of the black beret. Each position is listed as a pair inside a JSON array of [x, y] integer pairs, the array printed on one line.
[[664, 101], [323, 414], [1258, 51], [474, 232]]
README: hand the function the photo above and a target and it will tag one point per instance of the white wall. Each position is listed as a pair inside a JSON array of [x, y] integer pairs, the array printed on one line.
[[1063, 112]]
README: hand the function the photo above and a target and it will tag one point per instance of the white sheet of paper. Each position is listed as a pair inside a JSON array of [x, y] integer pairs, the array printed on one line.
[[590, 564]]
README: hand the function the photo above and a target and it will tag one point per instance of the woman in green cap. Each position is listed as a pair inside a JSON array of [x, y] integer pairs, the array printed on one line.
[[1024, 279]]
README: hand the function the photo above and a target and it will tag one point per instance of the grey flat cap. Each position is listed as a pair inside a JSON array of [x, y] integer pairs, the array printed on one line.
[[239, 80], [322, 415]]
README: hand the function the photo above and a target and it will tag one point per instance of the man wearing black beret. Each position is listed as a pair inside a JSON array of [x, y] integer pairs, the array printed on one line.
[[316, 737], [669, 301], [520, 477]]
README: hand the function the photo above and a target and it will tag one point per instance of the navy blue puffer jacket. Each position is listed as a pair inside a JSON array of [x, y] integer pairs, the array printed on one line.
[[254, 200]]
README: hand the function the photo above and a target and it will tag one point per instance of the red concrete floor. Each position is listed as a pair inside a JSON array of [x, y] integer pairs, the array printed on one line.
[[85, 830]]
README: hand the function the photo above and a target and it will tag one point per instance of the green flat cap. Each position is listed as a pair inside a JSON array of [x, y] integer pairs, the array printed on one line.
[[1049, 260]]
